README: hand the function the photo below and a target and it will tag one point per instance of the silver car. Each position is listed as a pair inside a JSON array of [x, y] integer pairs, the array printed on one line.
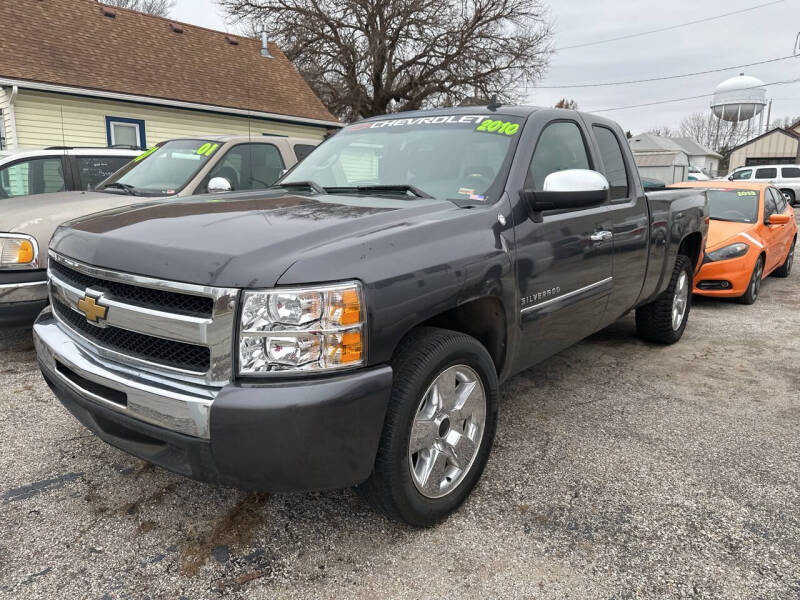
[[176, 168], [784, 177]]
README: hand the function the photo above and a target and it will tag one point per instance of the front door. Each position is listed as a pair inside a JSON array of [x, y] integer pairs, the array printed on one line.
[[563, 263]]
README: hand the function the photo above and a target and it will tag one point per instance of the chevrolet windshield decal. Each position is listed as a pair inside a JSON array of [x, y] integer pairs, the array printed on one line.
[[440, 120]]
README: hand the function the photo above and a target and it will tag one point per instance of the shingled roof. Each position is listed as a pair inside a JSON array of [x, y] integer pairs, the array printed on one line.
[[78, 43]]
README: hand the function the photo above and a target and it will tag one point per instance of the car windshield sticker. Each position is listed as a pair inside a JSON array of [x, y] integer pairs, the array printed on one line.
[[207, 149], [746, 193], [509, 127], [466, 191], [145, 154], [497, 126]]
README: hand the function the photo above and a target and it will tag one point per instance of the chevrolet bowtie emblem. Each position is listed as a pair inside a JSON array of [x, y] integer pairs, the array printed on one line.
[[89, 306]]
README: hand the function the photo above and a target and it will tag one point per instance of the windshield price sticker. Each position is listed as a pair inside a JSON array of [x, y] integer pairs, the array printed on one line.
[[145, 154], [207, 149], [746, 193], [496, 126]]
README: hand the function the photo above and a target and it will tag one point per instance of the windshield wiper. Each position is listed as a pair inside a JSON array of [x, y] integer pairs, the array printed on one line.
[[126, 187], [300, 184], [401, 187]]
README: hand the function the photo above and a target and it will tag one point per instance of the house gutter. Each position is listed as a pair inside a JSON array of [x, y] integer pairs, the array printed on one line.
[[76, 91], [11, 119]]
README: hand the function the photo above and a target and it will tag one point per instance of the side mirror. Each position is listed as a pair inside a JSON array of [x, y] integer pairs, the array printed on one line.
[[572, 188], [779, 219], [219, 184], [730, 177]]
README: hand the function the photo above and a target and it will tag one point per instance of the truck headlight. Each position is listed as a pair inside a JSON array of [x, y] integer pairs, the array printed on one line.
[[302, 329], [727, 252], [18, 251]]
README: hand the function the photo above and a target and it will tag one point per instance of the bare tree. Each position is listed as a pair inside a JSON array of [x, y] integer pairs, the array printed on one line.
[[784, 122], [564, 103], [370, 57], [160, 8], [706, 129], [664, 131]]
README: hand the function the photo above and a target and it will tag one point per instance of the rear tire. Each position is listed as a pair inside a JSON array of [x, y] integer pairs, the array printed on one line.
[[754, 285], [786, 268], [664, 319], [435, 370], [790, 196]]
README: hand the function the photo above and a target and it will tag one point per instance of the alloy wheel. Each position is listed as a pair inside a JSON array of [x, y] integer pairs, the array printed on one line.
[[680, 300]]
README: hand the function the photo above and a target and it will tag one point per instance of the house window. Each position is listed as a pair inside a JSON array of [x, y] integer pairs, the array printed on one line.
[[121, 131], [2, 131]]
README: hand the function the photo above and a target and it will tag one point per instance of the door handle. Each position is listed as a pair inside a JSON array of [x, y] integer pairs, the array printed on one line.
[[601, 236]]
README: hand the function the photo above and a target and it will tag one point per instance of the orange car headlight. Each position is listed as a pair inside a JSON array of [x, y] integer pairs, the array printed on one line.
[[727, 252]]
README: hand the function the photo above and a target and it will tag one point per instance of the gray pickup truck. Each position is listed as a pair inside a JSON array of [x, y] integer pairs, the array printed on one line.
[[350, 326], [171, 169]]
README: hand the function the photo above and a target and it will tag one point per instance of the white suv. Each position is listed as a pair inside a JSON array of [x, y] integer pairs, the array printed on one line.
[[59, 169], [784, 177]]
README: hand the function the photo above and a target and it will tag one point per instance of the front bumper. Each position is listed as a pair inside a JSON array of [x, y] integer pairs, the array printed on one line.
[[292, 435], [735, 271], [23, 294]]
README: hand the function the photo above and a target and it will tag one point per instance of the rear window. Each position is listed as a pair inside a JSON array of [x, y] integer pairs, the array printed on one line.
[[94, 169], [790, 171], [302, 150], [766, 173], [739, 206], [614, 163]]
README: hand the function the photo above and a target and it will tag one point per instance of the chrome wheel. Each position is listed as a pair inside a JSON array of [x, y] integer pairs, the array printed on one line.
[[447, 431], [755, 282], [680, 300]]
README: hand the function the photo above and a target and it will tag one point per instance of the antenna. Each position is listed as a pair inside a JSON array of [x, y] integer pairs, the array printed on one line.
[[493, 103]]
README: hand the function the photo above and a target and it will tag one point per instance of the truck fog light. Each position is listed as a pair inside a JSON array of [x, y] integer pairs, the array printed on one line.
[[294, 351]]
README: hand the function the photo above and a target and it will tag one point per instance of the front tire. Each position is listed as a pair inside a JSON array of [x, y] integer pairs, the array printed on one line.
[[664, 319], [754, 286], [790, 196], [439, 427]]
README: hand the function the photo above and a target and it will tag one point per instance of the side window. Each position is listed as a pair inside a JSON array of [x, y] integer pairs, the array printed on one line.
[[613, 162], [94, 169], [770, 207], [743, 174], [560, 147], [790, 172], [302, 150], [780, 201], [37, 176], [770, 173], [249, 167]]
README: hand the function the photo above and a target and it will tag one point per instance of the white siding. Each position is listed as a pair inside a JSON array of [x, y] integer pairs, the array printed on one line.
[[772, 145], [46, 119], [5, 122]]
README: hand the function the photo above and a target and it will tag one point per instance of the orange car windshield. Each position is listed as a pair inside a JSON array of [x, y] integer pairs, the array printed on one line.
[[739, 206]]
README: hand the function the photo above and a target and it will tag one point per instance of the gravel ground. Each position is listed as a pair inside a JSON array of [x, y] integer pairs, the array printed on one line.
[[620, 470]]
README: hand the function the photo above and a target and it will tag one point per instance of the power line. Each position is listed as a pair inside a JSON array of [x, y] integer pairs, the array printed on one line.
[[651, 79], [671, 27], [786, 82]]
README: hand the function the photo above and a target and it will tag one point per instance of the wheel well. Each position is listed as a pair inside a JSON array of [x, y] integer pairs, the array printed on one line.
[[484, 319], [691, 246]]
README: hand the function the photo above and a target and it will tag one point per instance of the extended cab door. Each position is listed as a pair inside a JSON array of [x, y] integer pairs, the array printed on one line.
[[628, 214], [563, 263]]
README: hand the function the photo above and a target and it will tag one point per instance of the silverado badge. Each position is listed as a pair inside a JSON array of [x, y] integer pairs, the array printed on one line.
[[91, 307]]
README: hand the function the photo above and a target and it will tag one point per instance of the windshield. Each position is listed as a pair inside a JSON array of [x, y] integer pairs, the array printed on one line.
[[164, 170], [456, 157], [740, 206]]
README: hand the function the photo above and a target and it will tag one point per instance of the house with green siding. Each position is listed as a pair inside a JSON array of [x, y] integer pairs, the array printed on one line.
[[79, 73]]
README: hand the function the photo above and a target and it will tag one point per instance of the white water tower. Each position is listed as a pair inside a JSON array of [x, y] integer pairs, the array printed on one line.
[[739, 100]]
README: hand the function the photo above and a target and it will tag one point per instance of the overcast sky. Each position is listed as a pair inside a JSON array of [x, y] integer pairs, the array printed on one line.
[[760, 34]]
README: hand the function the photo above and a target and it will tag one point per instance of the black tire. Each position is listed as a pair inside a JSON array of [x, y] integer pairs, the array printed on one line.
[[654, 321], [790, 196], [786, 268], [421, 357], [754, 285]]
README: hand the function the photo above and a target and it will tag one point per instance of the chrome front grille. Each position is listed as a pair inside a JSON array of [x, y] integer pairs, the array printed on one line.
[[184, 331]]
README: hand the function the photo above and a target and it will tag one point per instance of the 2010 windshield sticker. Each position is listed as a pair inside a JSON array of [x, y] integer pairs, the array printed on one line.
[[144, 155], [207, 149], [441, 120], [496, 126]]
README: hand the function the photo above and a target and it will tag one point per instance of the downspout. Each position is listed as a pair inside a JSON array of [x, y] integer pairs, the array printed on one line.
[[12, 121]]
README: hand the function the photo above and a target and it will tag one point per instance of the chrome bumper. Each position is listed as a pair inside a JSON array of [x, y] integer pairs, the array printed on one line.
[[168, 403], [30, 291]]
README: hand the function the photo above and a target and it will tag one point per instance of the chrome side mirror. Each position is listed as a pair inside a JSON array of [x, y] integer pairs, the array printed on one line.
[[219, 184], [568, 189]]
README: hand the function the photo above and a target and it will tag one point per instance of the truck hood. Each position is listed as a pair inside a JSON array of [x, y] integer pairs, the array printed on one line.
[[40, 215], [720, 232], [243, 240]]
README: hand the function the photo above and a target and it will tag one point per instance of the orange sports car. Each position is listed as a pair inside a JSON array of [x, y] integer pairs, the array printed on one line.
[[752, 234]]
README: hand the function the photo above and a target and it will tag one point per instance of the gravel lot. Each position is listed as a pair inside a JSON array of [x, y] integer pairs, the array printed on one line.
[[621, 470]]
